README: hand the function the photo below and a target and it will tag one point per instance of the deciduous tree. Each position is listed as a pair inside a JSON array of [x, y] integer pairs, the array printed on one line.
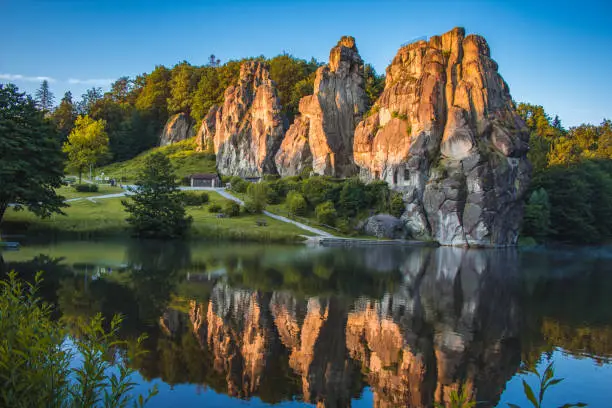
[[87, 144]]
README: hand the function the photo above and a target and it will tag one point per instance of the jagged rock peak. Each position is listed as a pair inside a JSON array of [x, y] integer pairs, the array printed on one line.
[[248, 127], [178, 127], [445, 132], [328, 117]]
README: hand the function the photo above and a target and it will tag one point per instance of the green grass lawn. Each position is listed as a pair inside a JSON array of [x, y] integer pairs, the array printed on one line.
[[182, 155], [69, 192], [106, 217]]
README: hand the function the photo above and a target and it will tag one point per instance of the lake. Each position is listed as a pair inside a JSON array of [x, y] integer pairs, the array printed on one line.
[[241, 324]]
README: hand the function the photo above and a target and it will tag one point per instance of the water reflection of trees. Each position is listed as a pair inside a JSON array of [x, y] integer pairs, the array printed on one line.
[[413, 324]]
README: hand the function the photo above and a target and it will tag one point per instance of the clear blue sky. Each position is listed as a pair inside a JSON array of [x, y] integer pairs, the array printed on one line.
[[556, 54]]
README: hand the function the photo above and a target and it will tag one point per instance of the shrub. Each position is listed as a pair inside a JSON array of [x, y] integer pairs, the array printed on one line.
[[214, 208], [258, 197], [86, 188], [239, 185], [192, 199], [296, 203], [397, 206], [317, 190], [231, 208], [352, 197], [36, 368], [326, 213]]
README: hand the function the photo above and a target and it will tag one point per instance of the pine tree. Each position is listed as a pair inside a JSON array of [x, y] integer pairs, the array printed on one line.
[[156, 209], [45, 97], [64, 116]]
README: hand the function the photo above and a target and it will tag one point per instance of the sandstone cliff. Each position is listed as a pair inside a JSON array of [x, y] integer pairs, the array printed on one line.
[[445, 133], [248, 128], [322, 138], [177, 128], [205, 138]]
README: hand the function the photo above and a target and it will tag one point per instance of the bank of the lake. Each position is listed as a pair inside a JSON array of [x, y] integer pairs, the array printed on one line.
[[105, 217]]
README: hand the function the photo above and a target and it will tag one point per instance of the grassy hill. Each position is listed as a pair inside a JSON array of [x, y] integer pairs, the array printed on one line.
[[183, 156]]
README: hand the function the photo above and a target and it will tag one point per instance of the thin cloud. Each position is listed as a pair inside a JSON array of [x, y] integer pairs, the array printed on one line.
[[19, 77], [94, 81]]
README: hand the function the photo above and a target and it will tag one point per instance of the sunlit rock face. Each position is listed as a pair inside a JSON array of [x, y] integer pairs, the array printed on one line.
[[322, 137], [445, 133], [248, 127], [178, 127]]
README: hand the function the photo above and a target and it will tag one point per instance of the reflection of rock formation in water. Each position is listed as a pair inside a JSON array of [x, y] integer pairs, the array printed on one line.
[[452, 323]]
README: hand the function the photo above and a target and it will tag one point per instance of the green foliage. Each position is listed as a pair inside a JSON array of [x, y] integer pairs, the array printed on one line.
[[396, 205], [580, 198], [87, 144], [374, 84], [231, 208], [294, 79], [214, 208], [326, 213], [536, 222], [318, 189], [239, 185], [45, 97], [192, 198], [296, 203], [86, 188], [35, 361], [156, 207], [64, 116], [32, 165], [459, 399], [352, 197], [257, 197], [546, 380], [183, 81]]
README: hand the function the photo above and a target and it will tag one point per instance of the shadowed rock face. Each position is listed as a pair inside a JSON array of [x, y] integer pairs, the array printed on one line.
[[178, 127], [322, 138], [248, 128], [205, 137], [445, 133]]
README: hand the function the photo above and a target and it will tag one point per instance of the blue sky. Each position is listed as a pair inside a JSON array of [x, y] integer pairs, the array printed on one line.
[[556, 54]]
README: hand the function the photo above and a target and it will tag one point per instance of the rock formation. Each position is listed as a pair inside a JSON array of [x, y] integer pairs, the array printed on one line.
[[177, 128], [322, 137], [445, 133], [248, 128], [206, 133]]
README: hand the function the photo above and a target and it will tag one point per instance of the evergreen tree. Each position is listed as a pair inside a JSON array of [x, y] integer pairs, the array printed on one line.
[[64, 116], [156, 209], [88, 100], [45, 97], [31, 159]]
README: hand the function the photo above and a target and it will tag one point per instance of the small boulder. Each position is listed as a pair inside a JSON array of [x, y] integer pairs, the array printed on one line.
[[384, 226]]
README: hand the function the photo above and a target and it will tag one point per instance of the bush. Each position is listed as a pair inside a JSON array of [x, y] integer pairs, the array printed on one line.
[[326, 213], [296, 203], [239, 185], [317, 190], [258, 197], [353, 197], [214, 208], [397, 206], [192, 199], [86, 188], [38, 371], [231, 209]]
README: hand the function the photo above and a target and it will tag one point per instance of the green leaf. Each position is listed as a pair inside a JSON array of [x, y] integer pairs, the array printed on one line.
[[529, 394]]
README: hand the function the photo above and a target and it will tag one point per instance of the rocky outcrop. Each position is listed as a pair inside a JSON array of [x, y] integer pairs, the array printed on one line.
[[323, 136], [205, 136], [248, 128], [178, 127], [383, 226], [445, 133]]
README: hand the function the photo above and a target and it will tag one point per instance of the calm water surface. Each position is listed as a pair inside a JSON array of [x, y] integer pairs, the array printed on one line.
[[236, 324]]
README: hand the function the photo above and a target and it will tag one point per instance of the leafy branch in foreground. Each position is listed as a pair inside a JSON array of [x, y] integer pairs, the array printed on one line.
[[546, 380], [35, 356]]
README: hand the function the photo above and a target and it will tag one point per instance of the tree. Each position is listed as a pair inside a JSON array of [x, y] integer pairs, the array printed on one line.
[[183, 82], [64, 116], [536, 222], [296, 203], [213, 61], [374, 84], [31, 159], [87, 144], [88, 100], [45, 97], [157, 209], [326, 213], [258, 197]]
